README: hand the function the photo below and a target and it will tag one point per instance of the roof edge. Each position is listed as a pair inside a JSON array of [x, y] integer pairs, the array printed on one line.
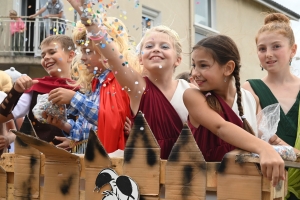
[[280, 8]]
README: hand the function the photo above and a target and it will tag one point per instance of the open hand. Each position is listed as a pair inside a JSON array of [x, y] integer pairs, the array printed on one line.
[[23, 83], [61, 96]]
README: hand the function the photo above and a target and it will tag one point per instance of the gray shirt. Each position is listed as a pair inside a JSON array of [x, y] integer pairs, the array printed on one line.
[[55, 8]]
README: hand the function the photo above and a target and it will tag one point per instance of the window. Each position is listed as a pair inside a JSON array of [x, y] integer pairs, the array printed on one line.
[[203, 12], [203, 18], [150, 18]]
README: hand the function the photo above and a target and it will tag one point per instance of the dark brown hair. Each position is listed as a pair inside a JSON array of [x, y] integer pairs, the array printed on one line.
[[223, 49]]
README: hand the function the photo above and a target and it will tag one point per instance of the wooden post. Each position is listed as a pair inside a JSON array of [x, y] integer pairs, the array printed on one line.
[[186, 169], [142, 158]]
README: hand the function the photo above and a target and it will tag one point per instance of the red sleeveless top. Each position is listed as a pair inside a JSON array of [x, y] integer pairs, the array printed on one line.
[[212, 147], [161, 116]]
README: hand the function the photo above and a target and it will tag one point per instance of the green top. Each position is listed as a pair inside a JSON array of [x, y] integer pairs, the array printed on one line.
[[287, 127]]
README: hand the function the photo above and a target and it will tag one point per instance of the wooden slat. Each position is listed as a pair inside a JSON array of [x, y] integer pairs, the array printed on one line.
[[185, 169], [241, 187], [95, 160], [142, 157], [3, 181]]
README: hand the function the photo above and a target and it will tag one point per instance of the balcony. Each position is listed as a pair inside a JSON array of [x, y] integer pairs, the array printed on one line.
[[23, 50]]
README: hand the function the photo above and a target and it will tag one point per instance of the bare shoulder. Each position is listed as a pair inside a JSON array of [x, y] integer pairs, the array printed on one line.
[[191, 95], [193, 86]]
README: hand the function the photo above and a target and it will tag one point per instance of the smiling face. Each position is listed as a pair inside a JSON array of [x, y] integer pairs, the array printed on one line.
[[207, 73], [158, 52], [274, 51], [56, 60]]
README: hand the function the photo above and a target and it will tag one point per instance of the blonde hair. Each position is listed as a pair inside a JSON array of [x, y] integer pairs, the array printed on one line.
[[65, 41], [116, 30], [279, 23], [5, 82], [13, 13], [80, 74], [174, 37]]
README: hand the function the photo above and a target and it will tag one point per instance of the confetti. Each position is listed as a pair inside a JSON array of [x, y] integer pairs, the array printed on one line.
[[136, 82], [103, 46], [59, 70], [29, 6], [160, 67], [69, 48], [142, 128]]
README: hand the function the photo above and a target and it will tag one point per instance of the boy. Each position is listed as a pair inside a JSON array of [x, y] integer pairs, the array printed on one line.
[[57, 55]]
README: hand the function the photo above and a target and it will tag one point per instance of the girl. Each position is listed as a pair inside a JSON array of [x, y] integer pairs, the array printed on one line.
[[216, 61], [275, 49], [216, 67], [104, 104], [158, 96]]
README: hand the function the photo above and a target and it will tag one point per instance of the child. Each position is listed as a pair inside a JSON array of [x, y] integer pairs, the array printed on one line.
[[158, 96], [17, 28], [275, 49], [57, 54], [103, 93], [216, 60], [6, 137]]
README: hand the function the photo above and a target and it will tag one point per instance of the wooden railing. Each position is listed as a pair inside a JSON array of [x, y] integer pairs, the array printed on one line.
[[39, 170]]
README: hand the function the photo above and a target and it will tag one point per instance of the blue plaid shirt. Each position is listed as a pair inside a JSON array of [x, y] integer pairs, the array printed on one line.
[[86, 107]]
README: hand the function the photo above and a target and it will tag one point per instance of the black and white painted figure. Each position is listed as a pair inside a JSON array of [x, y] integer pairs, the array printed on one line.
[[123, 187]]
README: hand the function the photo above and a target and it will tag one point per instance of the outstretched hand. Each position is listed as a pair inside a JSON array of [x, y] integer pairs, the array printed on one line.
[[61, 96], [23, 83]]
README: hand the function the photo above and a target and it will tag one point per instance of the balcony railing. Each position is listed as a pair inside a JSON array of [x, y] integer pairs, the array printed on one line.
[[29, 41]]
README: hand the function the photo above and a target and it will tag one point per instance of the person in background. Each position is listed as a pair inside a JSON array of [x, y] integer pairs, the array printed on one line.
[[17, 28], [6, 136], [55, 9], [184, 76], [276, 47]]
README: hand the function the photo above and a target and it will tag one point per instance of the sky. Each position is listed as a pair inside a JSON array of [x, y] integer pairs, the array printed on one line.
[[294, 5]]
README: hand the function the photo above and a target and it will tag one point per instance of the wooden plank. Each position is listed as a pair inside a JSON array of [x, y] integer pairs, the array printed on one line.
[[10, 191], [26, 165], [185, 169], [3, 181], [211, 177], [142, 157], [239, 187], [62, 169], [95, 160], [7, 162]]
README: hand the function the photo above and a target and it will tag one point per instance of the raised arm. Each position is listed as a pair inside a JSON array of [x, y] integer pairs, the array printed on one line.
[[129, 79], [272, 165]]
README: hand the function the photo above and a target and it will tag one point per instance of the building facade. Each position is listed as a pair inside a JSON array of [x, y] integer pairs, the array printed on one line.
[[192, 19]]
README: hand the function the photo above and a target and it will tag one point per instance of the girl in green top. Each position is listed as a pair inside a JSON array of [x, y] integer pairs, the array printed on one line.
[[275, 49]]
